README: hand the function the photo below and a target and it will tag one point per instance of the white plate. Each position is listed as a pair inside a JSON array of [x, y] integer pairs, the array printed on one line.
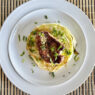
[[24, 27], [68, 9]]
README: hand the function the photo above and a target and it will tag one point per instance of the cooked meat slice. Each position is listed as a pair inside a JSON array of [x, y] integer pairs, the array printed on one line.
[[49, 48], [43, 51]]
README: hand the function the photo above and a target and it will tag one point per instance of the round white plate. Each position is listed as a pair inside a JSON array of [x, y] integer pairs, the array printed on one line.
[[71, 11], [24, 27]]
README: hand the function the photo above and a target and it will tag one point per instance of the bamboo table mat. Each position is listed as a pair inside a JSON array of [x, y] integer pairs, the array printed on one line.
[[6, 87]]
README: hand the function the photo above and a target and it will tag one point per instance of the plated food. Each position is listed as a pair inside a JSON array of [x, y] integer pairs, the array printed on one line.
[[51, 46], [12, 49]]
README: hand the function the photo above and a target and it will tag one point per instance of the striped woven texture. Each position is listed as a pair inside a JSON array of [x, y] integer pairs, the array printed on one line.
[[6, 87]]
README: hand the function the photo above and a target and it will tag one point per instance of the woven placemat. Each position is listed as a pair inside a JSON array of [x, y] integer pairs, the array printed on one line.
[[6, 7]]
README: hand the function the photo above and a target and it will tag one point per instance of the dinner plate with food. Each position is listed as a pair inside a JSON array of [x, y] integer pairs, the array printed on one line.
[[47, 47]]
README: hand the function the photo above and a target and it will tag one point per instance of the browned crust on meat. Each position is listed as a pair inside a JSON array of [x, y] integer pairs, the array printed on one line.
[[47, 54]]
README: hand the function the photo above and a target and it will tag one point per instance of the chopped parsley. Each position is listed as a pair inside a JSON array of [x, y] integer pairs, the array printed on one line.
[[61, 33], [36, 22], [54, 32], [63, 39], [38, 59], [45, 16], [23, 60], [24, 38], [76, 52], [32, 71], [68, 52], [58, 21], [31, 38], [32, 60], [30, 57], [51, 62], [41, 34], [56, 54], [32, 50], [19, 38], [33, 64], [31, 42], [59, 47], [22, 53], [76, 58], [34, 32], [57, 32], [52, 74], [52, 49]]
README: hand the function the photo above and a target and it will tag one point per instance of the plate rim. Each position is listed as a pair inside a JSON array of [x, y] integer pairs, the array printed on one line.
[[14, 31]]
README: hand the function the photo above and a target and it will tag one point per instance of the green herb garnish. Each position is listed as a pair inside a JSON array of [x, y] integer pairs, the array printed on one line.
[[57, 33], [30, 57], [52, 74], [76, 58], [45, 16], [34, 32], [32, 60], [68, 52], [19, 38], [36, 22], [58, 21], [34, 64], [52, 49], [61, 33], [32, 50], [54, 32], [24, 38], [22, 53], [31, 42], [38, 59], [41, 34], [51, 62], [63, 40], [56, 54], [32, 71], [31, 38], [23, 60], [76, 52], [59, 47]]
